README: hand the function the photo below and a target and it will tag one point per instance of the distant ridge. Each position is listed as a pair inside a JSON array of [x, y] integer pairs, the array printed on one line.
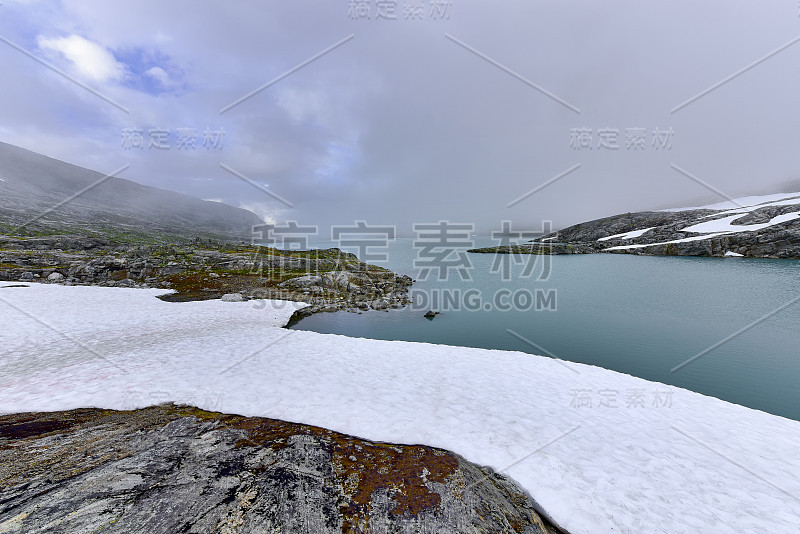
[[31, 184], [763, 226]]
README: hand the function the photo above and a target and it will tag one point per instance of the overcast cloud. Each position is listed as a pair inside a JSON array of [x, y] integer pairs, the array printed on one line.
[[413, 120]]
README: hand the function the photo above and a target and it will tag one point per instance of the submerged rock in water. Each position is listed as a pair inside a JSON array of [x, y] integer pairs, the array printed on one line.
[[170, 469]]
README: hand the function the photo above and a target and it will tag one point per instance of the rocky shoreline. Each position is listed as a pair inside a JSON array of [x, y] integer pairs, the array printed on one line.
[[328, 280], [170, 468], [539, 248]]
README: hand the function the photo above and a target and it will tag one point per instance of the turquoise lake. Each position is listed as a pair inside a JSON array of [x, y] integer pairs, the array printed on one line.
[[641, 315]]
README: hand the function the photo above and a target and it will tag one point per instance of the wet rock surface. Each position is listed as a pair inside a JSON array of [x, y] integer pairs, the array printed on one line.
[[167, 469]]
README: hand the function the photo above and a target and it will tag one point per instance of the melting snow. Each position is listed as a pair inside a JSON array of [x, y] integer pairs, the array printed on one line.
[[684, 463], [751, 202], [684, 240], [724, 224], [627, 235], [788, 202]]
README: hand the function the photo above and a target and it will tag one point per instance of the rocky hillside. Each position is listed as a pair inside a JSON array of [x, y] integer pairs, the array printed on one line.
[[32, 184], [762, 227], [170, 469]]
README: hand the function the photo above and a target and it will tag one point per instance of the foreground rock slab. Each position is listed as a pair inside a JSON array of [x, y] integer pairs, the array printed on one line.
[[170, 468]]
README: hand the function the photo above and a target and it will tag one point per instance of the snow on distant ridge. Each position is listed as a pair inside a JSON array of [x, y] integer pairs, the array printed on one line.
[[743, 202], [697, 465], [784, 202], [729, 212], [724, 224], [684, 240], [714, 228]]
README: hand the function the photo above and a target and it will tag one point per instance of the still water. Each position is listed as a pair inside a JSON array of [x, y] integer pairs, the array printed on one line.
[[640, 315]]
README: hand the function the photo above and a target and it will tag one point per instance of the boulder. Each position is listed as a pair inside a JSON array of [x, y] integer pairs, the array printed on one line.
[[232, 297], [55, 277], [379, 304], [344, 280]]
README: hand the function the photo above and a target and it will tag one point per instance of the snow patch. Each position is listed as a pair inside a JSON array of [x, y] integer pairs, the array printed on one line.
[[627, 235], [743, 202], [684, 240], [788, 202], [724, 224]]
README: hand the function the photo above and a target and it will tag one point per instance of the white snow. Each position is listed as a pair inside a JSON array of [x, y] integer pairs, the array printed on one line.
[[743, 202], [786, 202], [731, 254], [724, 224], [697, 464], [627, 235], [683, 240]]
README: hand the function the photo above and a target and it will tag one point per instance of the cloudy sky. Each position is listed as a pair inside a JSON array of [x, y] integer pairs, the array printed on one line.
[[414, 111]]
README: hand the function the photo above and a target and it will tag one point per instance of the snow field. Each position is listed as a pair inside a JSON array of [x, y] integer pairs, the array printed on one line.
[[697, 465]]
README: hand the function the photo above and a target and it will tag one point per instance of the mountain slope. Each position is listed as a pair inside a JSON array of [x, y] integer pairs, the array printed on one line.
[[31, 184], [758, 226]]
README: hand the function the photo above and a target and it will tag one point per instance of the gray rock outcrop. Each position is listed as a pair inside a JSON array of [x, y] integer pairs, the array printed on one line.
[[327, 280]]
